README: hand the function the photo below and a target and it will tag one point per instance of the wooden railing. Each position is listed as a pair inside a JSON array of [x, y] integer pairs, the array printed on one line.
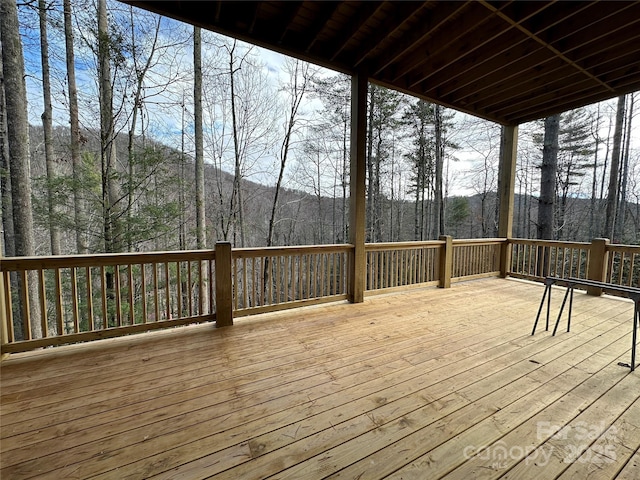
[[476, 258], [393, 265], [537, 259], [49, 301], [598, 260], [276, 278], [55, 300], [623, 265]]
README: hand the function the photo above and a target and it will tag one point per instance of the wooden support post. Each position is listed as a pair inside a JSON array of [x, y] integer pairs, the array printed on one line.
[[446, 262], [598, 261], [4, 336], [357, 259], [506, 189], [505, 257], [224, 296]]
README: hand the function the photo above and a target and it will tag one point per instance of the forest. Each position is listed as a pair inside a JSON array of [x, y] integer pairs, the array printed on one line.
[[123, 131]]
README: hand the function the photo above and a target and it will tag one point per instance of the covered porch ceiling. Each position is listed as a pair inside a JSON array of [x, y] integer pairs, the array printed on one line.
[[506, 61]]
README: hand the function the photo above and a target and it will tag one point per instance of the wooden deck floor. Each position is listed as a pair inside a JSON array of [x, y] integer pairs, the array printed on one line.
[[423, 384]]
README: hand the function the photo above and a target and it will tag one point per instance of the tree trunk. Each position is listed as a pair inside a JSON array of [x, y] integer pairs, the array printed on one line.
[[370, 173], [9, 246], [47, 127], [548, 177], [18, 141], [107, 136], [439, 203], [201, 233], [78, 205], [237, 186], [625, 174], [612, 194], [297, 92]]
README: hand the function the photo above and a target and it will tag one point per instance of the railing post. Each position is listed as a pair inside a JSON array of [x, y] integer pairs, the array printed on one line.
[[357, 185], [598, 261], [446, 261], [224, 295], [3, 317], [505, 258]]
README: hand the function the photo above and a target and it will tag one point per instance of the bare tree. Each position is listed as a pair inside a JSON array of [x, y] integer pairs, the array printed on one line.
[[548, 177], [201, 234], [111, 215], [612, 194], [47, 125], [299, 77], [8, 237], [78, 205], [18, 141]]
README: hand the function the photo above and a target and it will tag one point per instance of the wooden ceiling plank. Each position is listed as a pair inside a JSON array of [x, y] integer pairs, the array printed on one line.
[[571, 35], [320, 22], [520, 81], [406, 11], [289, 16], [475, 70], [437, 26], [566, 91], [493, 72], [567, 102], [476, 55], [547, 45], [365, 13]]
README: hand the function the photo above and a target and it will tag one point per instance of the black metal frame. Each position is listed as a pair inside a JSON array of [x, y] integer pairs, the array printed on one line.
[[628, 292]]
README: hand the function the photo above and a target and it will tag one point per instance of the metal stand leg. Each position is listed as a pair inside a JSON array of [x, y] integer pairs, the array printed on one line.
[[570, 308], [548, 308], [636, 321], [547, 289], [564, 301]]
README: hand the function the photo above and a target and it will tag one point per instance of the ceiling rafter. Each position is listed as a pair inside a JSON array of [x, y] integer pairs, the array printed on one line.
[[405, 13], [436, 20], [555, 51], [371, 9], [459, 43], [501, 61], [289, 18], [320, 21], [479, 68]]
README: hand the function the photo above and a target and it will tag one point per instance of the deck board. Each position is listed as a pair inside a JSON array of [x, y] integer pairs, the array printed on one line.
[[423, 383]]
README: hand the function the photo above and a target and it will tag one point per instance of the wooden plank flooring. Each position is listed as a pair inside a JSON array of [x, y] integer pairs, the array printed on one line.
[[423, 384]]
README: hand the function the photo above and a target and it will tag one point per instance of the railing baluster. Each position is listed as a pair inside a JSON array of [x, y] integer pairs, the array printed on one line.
[[167, 293], [11, 334], [143, 292], [90, 313], [180, 313], [132, 318], [118, 293], [190, 288], [58, 297], [74, 300], [103, 290], [42, 294], [156, 296]]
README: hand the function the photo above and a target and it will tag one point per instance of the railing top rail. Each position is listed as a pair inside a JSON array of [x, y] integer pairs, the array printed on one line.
[[290, 250], [482, 241], [557, 243], [620, 247], [403, 245], [101, 259]]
